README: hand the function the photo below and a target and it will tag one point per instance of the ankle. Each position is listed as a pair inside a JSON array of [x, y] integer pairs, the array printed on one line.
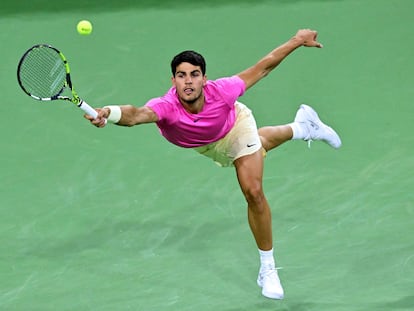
[[299, 130], [267, 260]]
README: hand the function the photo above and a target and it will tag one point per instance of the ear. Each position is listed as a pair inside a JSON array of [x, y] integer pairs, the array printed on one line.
[[204, 80], [173, 80]]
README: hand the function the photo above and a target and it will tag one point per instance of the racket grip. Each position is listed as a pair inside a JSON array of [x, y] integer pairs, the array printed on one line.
[[88, 109]]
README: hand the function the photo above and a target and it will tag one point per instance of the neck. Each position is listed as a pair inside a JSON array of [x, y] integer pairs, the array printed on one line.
[[193, 106]]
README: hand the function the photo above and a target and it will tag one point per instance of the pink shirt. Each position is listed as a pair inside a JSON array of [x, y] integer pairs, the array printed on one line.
[[211, 124]]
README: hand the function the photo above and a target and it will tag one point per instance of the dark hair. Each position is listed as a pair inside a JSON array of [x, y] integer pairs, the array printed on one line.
[[191, 57]]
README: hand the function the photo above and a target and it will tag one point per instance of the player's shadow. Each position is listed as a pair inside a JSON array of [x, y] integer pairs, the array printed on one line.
[[405, 303], [131, 234]]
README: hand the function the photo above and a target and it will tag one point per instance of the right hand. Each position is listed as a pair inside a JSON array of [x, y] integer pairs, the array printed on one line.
[[100, 120]]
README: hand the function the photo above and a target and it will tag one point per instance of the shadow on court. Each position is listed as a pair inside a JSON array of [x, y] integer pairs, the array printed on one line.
[[405, 303]]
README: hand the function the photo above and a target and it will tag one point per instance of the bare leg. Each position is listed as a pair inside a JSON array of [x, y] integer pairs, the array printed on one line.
[[250, 174], [273, 136]]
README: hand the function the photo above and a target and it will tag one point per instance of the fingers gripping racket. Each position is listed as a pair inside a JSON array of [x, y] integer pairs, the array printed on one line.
[[43, 73]]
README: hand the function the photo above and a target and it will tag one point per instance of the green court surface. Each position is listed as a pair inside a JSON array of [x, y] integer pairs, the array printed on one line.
[[119, 219]]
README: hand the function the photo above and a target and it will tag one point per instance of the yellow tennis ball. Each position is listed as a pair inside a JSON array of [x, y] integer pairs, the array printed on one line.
[[84, 27]]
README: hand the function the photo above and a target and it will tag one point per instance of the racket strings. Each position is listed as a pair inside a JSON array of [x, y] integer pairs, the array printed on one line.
[[42, 72]]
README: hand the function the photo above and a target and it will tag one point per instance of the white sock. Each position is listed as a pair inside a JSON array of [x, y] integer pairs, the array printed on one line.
[[299, 132], [266, 258]]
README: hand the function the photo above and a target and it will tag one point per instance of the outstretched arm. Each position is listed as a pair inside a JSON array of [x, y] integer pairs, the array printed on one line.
[[126, 115], [304, 37]]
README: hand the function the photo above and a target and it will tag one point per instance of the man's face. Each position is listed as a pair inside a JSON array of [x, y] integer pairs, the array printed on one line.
[[189, 82]]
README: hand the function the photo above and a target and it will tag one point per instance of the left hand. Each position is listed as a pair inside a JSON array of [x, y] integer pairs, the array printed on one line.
[[308, 38]]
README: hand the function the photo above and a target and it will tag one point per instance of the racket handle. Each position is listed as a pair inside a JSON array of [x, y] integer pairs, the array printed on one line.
[[88, 109]]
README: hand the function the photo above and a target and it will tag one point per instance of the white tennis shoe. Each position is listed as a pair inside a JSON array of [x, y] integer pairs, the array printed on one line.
[[268, 280], [317, 130]]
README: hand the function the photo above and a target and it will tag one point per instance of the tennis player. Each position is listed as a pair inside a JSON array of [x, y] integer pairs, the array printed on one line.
[[206, 116]]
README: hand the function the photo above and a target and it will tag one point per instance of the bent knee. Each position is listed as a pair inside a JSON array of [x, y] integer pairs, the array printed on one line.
[[254, 195]]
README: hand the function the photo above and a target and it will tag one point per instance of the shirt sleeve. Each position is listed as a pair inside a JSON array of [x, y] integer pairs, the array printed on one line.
[[230, 88], [163, 109]]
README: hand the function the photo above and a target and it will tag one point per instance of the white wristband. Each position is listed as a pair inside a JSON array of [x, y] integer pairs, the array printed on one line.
[[114, 114]]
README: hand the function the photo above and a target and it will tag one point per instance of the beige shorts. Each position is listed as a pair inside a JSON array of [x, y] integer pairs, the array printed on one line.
[[243, 139]]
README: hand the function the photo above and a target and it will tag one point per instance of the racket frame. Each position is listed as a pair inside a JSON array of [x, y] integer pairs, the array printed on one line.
[[68, 83]]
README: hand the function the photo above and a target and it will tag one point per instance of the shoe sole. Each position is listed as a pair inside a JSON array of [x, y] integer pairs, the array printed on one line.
[[268, 294]]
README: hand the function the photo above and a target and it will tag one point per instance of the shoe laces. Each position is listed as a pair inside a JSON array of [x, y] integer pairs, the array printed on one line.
[[269, 271], [270, 278], [308, 139]]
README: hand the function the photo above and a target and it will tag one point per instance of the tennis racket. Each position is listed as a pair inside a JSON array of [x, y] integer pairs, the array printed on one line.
[[43, 73]]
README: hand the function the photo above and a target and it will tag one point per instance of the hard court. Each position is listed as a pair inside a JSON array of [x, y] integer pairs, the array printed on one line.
[[119, 219]]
